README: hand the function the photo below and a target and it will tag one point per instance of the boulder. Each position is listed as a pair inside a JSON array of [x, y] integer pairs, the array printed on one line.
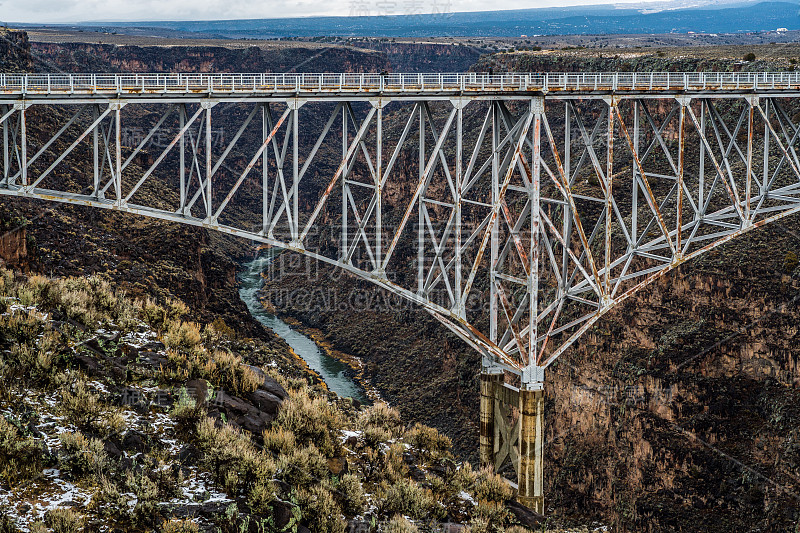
[[265, 401]]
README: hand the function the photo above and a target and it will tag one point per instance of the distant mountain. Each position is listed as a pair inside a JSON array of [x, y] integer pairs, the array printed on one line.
[[667, 17]]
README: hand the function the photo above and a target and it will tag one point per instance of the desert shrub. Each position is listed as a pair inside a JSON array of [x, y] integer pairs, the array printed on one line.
[[22, 326], [153, 314], [20, 457], [440, 488], [182, 335], [109, 501], [91, 301], [375, 435], [790, 262], [232, 458], [311, 420], [179, 526], [399, 524], [464, 478], [185, 408], [380, 415], [279, 441], [478, 525], [82, 456], [147, 497], [224, 370], [8, 525], [490, 487], [218, 329], [351, 494], [231, 374], [34, 360], [394, 466], [63, 520], [428, 441], [79, 405], [493, 514], [407, 498], [750, 56], [260, 496], [302, 466], [320, 512], [517, 529]]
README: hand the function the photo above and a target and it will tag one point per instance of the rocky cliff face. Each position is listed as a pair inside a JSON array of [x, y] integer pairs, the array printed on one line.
[[15, 53], [424, 57], [87, 57]]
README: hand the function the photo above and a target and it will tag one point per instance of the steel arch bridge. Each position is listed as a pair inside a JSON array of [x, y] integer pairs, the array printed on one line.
[[517, 209]]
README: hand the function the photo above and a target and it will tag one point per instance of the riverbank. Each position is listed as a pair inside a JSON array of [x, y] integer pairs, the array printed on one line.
[[340, 374]]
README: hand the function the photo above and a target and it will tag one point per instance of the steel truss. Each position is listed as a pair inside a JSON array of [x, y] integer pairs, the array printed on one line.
[[525, 217]]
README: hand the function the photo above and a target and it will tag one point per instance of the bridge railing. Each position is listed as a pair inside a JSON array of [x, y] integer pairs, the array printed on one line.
[[470, 82]]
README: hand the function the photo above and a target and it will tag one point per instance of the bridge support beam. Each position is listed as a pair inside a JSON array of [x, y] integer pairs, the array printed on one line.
[[531, 449]]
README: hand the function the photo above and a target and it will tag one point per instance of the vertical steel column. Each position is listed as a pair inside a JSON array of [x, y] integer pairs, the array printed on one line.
[[534, 194], [24, 142], [531, 449], [96, 151], [681, 169], [609, 185], [421, 217], [750, 132], [118, 150], [265, 131], [182, 123], [702, 170], [295, 174], [6, 153], [531, 395], [459, 301], [635, 188], [345, 174], [766, 145], [378, 187], [495, 243], [209, 207]]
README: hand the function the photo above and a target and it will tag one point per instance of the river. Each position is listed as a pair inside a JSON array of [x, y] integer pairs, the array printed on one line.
[[333, 372]]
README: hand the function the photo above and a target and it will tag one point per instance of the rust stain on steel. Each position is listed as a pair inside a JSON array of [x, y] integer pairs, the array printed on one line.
[[565, 191], [731, 193], [651, 200], [501, 196], [509, 312]]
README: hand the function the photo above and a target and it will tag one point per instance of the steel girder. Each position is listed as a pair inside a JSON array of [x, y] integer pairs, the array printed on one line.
[[519, 222]]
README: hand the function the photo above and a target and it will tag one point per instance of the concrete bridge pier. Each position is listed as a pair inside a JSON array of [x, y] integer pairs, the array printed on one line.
[[531, 449], [512, 431], [491, 380]]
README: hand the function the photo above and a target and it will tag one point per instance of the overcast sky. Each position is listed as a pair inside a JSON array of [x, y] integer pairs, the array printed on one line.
[[45, 11]]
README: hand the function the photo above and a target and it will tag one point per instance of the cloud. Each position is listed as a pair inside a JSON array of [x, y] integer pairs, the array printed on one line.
[[68, 11]]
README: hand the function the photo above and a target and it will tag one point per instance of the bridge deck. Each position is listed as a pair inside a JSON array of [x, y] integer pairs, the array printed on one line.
[[14, 86]]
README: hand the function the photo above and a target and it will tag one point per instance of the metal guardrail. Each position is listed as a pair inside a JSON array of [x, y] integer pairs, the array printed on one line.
[[393, 83]]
